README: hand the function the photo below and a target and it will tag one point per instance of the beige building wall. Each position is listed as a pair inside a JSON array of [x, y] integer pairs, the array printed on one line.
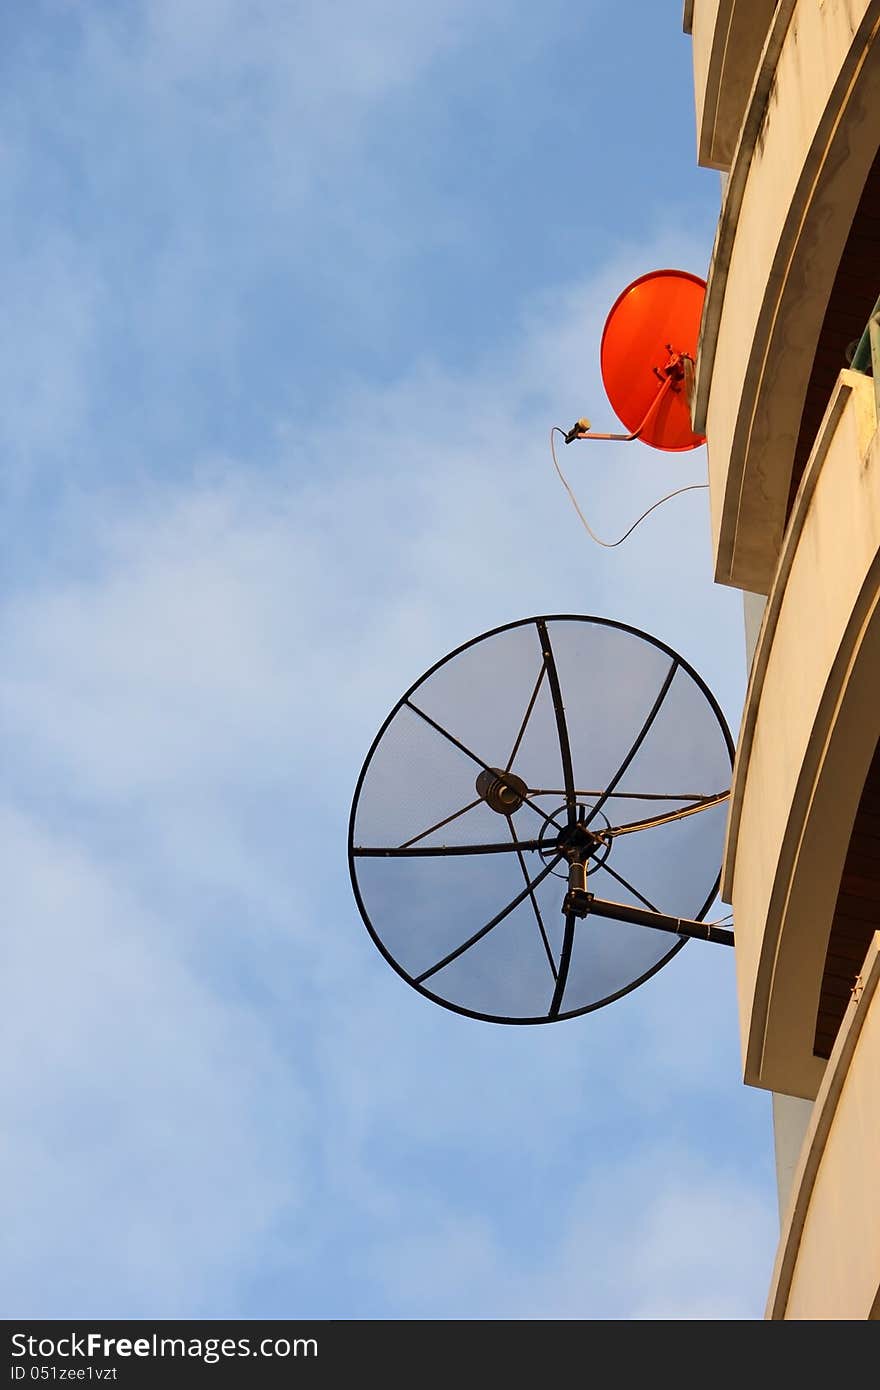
[[787, 97], [804, 148], [808, 734], [828, 1262], [791, 1114]]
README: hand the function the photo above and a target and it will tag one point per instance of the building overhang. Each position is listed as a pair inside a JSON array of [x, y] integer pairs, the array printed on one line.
[[728, 36]]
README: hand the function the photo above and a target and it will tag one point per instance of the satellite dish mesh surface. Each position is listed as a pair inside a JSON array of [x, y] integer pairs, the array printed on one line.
[[533, 736]]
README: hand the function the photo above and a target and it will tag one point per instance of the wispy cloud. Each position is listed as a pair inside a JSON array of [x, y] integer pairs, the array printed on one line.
[[142, 1144], [663, 1238], [189, 693], [256, 488]]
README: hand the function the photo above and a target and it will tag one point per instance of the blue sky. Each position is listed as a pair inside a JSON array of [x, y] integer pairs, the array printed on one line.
[[293, 294]]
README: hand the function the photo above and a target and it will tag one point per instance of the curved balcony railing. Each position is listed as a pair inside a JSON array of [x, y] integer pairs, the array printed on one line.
[[809, 732]]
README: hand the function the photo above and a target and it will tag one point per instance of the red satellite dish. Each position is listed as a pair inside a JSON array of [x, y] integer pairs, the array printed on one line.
[[649, 345]]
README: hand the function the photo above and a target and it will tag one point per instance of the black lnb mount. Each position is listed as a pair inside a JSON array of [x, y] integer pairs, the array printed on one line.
[[577, 901]]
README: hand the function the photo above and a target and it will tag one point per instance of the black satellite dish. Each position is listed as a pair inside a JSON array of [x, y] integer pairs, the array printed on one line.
[[537, 814]]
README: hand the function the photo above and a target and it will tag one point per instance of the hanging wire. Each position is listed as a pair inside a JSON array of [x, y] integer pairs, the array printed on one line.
[[609, 545]]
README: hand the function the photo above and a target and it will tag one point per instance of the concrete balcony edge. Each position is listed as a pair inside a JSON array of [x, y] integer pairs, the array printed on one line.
[[829, 760], [728, 37], [719, 263], [815, 1141], [765, 348], [848, 382]]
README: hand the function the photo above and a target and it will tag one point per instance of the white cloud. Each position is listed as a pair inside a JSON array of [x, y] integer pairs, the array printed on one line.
[[188, 694], [142, 1145], [204, 149], [660, 1237], [52, 295], [251, 601]]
